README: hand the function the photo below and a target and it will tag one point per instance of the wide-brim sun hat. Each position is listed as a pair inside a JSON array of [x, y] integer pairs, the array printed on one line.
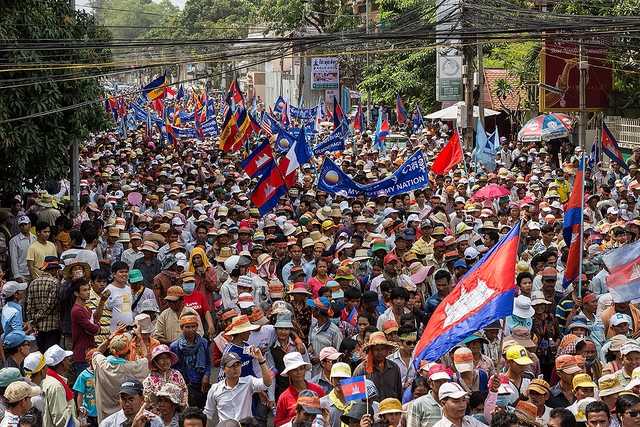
[[293, 361]]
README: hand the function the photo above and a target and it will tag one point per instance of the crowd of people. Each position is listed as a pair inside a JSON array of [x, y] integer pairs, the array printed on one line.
[[169, 300]]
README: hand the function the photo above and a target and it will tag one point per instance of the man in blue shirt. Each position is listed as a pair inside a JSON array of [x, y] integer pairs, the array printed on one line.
[[12, 292], [194, 359]]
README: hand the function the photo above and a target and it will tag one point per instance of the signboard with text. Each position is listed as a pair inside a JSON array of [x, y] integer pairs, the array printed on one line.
[[325, 73]]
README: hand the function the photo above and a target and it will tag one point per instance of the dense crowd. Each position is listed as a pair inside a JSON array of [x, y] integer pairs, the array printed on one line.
[[169, 300]]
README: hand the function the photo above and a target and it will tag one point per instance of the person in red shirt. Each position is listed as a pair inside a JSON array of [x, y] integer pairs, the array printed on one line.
[[197, 301], [295, 369], [83, 327]]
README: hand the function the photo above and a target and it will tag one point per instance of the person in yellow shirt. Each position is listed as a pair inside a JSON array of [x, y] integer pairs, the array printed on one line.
[[564, 189]]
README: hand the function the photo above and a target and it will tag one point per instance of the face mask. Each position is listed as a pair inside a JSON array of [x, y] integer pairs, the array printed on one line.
[[589, 363], [355, 357], [335, 320], [560, 178], [189, 287], [503, 400], [210, 240], [481, 418], [624, 206]]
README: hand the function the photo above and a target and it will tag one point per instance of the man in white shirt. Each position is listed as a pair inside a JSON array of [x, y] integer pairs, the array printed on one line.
[[231, 398], [18, 247], [453, 399]]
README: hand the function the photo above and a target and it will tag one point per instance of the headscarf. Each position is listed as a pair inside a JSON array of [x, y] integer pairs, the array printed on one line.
[[265, 273], [205, 259]]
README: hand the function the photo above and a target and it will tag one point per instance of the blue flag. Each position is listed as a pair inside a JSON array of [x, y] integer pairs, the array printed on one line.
[[180, 93], [417, 119], [485, 150], [284, 141], [334, 142]]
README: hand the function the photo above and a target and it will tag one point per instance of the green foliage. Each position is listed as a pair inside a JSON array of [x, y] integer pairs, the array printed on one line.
[[202, 19], [326, 16], [37, 148], [132, 19], [412, 74]]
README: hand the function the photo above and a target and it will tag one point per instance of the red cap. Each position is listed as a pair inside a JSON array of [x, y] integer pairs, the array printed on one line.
[[390, 257]]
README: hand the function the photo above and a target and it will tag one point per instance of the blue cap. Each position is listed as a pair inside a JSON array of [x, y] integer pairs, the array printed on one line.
[[459, 263], [410, 233], [15, 338]]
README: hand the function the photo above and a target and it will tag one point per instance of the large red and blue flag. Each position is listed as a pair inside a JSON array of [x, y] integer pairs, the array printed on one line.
[[258, 161], [483, 295], [401, 112], [572, 227], [268, 190], [234, 96], [610, 147], [354, 388], [623, 280], [417, 119], [339, 117], [358, 119]]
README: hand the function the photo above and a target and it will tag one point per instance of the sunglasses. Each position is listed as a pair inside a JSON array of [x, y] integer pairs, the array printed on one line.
[[410, 343], [333, 361], [633, 414]]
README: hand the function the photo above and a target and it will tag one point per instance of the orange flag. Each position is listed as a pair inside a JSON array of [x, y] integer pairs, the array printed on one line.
[[449, 157]]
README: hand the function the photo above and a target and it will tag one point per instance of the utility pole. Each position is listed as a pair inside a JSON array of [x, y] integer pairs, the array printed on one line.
[[467, 77], [74, 179], [584, 66], [480, 84], [367, 12]]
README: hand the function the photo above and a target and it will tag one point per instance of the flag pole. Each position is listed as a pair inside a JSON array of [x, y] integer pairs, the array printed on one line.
[[580, 236], [464, 163]]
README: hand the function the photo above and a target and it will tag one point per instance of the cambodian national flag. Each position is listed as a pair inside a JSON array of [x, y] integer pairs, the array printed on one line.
[[572, 227], [258, 161], [273, 372], [338, 115], [483, 295], [352, 319], [610, 147], [358, 120], [623, 264], [354, 388], [401, 112], [269, 189]]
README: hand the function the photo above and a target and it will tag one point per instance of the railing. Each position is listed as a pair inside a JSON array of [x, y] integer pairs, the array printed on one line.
[[626, 131]]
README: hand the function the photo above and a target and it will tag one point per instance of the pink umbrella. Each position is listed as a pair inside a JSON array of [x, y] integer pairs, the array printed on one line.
[[491, 191]]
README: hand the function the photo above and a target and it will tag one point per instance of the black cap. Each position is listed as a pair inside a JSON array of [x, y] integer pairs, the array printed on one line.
[[230, 359], [370, 298], [131, 386]]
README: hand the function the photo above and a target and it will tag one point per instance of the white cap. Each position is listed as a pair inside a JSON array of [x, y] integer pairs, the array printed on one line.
[[177, 221], [57, 354], [452, 390], [471, 254]]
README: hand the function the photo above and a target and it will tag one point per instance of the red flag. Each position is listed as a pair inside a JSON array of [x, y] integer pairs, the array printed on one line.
[[449, 157]]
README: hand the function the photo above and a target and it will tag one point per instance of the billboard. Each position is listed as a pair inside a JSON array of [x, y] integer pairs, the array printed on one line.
[[325, 73], [559, 68]]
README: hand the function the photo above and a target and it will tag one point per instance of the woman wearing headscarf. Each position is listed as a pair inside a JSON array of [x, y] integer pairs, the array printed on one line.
[[205, 274]]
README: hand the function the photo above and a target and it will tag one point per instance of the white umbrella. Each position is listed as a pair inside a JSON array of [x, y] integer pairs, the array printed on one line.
[[451, 113]]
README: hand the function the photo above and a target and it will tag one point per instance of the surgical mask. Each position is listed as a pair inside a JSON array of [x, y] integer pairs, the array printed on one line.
[[589, 363], [335, 320], [624, 206], [503, 400], [481, 418], [355, 357], [560, 178], [189, 287], [210, 240]]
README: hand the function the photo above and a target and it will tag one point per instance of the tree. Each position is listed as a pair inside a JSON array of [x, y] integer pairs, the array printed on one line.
[[326, 16], [132, 19], [53, 71]]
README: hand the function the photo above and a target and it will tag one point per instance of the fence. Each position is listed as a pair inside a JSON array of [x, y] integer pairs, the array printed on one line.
[[626, 131]]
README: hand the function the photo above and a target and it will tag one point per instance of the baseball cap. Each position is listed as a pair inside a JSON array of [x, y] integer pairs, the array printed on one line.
[[35, 362], [16, 338], [19, 390], [519, 354], [437, 372], [539, 386], [567, 364], [340, 370], [583, 381], [452, 390], [471, 254], [463, 360], [12, 287], [330, 353], [230, 359], [131, 386], [629, 348], [619, 318], [309, 401], [23, 220]]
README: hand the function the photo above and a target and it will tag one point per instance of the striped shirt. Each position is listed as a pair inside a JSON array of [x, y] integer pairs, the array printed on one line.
[[105, 320]]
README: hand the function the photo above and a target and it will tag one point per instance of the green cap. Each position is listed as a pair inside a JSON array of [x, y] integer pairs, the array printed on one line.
[[9, 375], [135, 276]]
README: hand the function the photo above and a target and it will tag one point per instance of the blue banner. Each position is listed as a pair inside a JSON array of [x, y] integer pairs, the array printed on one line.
[[141, 115], [334, 142], [210, 127], [300, 113], [412, 175]]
